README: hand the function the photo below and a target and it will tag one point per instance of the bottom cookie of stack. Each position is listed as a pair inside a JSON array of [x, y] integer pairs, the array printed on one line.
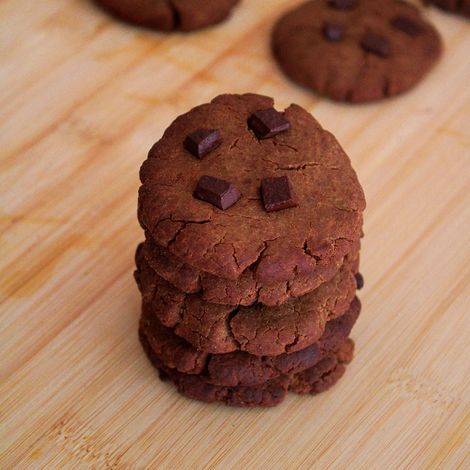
[[240, 379]]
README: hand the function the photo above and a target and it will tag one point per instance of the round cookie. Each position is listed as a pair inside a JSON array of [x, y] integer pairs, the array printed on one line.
[[461, 7], [244, 290], [258, 330], [170, 15], [356, 50], [240, 368], [312, 381], [254, 144]]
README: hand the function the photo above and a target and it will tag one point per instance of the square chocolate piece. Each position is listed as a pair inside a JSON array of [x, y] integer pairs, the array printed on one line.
[[359, 281], [219, 193], [376, 44], [277, 194], [407, 25], [333, 32], [202, 142], [343, 4], [266, 123]]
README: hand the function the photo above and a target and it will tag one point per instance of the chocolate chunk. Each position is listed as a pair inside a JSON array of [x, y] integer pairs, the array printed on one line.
[[266, 123], [219, 193], [277, 193], [359, 281], [202, 142], [343, 4], [407, 25], [333, 32], [376, 44]]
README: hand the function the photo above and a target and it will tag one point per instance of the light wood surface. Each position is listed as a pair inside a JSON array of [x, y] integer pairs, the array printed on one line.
[[82, 99]]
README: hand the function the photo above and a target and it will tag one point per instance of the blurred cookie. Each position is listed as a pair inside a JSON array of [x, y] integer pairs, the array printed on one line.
[[356, 50], [170, 15]]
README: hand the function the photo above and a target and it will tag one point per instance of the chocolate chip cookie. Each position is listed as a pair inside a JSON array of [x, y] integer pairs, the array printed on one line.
[[258, 330], [240, 368], [170, 15], [277, 246], [356, 50]]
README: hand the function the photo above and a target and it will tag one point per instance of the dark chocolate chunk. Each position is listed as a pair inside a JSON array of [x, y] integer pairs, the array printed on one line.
[[277, 193], [359, 281], [219, 193], [266, 123], [376, 44], [407, 25], [202, 142], [333, 32], [343, 4]]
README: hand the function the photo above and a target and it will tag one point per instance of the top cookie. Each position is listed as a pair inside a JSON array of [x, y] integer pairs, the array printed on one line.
[[281, 244], [169, 15], [356, 50]]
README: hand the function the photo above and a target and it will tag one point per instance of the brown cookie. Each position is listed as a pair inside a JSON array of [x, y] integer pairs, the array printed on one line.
[[356, 51], [240, 368], [314, 380], [245, 290], [278, 246], [257, 329], [170, 15], [326, 373], [461, 7]]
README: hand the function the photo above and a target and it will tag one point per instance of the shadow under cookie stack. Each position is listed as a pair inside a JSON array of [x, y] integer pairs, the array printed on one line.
[[249, 269]]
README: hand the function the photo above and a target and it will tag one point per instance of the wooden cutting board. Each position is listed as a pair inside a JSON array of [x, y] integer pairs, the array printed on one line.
[[82, 100]]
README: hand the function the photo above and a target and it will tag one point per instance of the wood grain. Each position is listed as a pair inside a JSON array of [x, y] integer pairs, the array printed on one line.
[[83, 98]]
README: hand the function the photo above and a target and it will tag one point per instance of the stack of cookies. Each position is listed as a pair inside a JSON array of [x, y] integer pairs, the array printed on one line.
[[249, 268]]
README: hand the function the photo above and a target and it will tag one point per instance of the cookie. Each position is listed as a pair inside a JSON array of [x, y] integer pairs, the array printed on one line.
[[326, 373], [240, 368], [356, 51], [314, 380], [461, 7], [277, 246], [257, 329], [170, 15], [245, 290]]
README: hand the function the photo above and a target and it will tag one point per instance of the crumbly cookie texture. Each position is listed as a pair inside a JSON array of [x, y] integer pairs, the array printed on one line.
[[257, 329], [246, 289], [240, 368], [369, 50], [316, 379], [276, 246], [170, 15]]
